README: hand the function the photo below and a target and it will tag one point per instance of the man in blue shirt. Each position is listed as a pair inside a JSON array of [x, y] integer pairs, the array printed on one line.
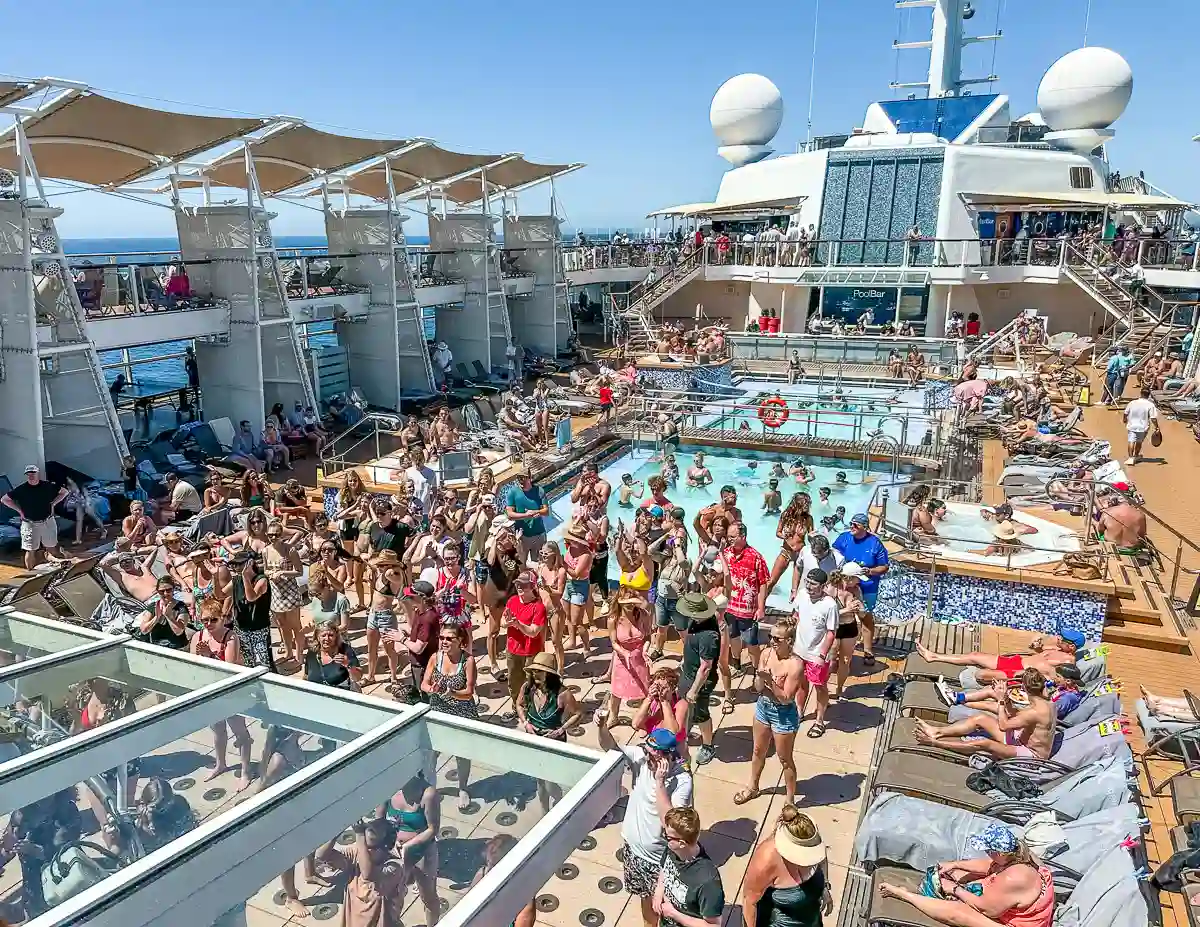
[[1115, 375], [865, 549], [525, 506]]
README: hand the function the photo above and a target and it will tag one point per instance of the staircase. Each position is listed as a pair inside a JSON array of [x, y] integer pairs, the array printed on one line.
[[637, 314], [1137, 323]]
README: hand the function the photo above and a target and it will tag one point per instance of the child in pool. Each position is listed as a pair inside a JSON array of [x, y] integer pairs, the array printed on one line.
[[823, 496], [772, 498], [839, 481], [777, 471], [744, 426], [803, 475], [628, 489], [670, 471], [747, 475]]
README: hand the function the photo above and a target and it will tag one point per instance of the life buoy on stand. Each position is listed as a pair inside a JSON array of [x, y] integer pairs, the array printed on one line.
[[773, 411]]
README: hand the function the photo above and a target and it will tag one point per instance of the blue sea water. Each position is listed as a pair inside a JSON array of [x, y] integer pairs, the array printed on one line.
[[168, 373]]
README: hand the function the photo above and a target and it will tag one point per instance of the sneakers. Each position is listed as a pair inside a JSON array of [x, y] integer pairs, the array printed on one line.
[[705, 754], [944, 692]]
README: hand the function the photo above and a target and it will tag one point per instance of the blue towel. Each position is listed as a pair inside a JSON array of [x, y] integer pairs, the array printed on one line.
[[562, 432]]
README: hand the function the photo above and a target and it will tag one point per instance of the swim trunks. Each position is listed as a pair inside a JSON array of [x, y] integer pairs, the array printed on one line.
[[1010, 666]]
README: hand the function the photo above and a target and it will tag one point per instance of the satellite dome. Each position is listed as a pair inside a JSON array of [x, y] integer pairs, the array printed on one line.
[[1088, 88], [746, 110]]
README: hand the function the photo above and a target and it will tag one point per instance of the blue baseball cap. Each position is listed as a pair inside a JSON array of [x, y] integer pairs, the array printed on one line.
[[995, 838], [655, 510], [661, 739], [1072, 636], [861, 519]]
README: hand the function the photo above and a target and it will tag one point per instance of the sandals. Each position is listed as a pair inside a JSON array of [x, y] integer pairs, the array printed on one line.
[[745, 796], [727, 706], [500, 675], [817, 730]]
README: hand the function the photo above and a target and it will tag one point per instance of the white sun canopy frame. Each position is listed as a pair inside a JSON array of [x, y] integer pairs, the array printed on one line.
[[413, 170], [509, 176], [89, 138]]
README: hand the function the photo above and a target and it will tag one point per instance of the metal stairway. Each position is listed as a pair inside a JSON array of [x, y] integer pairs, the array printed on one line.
[[410, 320], [1137, 322], [637, 313], [499, 323]]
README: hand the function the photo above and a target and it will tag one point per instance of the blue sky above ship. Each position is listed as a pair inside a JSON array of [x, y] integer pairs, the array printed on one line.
[[624, 86]]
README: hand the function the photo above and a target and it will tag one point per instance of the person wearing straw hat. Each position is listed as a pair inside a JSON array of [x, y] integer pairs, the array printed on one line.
[[545, 708], [525, 623], [698, 677], [689, 890], [786, 881], [1007, 540]]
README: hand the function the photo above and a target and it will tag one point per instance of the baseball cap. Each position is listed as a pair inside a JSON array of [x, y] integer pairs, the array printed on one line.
[[1121, 486], [655, 510], [995, 838], [32, 468], [860, 519], [851, 568], [526, 578], [661, 739], [1072, 636], [1069, 671], [420, 587]]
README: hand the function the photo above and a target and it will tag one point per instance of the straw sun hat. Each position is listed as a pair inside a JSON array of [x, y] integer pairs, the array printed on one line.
[[797, 851]]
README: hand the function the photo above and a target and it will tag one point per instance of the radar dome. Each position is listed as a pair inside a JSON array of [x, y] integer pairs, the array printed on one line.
[[746, 110], [1088, 88]]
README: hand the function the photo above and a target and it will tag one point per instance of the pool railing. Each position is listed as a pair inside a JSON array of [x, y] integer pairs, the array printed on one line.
[[848, 349]]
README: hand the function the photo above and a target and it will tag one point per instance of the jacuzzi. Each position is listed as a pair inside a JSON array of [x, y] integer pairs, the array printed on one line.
[[967, 532]]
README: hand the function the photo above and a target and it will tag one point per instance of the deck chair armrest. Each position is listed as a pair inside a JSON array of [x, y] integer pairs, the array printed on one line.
[[1011, 811]]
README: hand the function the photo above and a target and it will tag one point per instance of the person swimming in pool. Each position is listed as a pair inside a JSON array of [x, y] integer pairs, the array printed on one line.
[[802, 474], [823, 496], [670, 471], [698, 474], [839, 482], [628, 490], [777, 470], [772, 498]]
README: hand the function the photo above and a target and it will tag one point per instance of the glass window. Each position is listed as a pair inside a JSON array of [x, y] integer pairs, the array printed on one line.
[[23, 638]]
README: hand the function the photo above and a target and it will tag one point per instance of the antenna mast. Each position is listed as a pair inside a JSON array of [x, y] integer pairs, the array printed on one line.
[[946, 44]]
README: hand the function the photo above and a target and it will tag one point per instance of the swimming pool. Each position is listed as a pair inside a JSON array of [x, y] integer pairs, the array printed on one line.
[[733, 467], [967, 533], [814, 412]]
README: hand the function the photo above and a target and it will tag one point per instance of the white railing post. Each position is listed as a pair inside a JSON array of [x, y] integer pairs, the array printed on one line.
[[133, 288]]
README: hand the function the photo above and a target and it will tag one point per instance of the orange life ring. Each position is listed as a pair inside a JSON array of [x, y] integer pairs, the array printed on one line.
[[773, 411]]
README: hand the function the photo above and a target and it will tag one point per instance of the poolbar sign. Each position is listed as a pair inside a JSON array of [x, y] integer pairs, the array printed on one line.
[[850, 302]]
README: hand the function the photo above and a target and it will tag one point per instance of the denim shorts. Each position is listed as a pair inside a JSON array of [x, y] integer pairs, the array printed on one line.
[[481, 570], [578, 591], [381, 619], [665, 614], [780, 718], [745, 629]]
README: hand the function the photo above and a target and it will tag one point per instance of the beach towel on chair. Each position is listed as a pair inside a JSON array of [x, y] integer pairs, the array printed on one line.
[[1095, 787], [1094, 741], [1108, 895], [915, 833]]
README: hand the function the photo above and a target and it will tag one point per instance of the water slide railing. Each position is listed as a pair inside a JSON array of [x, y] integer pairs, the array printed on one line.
[[871, 350]]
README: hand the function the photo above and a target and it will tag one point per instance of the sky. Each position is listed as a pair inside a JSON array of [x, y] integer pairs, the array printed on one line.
[[622, 85]]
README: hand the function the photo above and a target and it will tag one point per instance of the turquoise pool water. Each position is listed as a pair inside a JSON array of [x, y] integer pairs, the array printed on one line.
[[816, 413], [733, 467]]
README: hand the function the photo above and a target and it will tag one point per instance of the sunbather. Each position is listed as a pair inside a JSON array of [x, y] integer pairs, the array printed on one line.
[[1006, 887], [1024, 724], [1169, 709], [1044, 657]]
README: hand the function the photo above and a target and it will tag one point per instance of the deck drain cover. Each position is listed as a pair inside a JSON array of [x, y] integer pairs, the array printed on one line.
[[472, 808], [182, 785], [590, 917], [610, 885], [448, 833], [633, 702], [620, 854], [443, 905], [324, 912], [214, 794], [506, 819], [346, 838], [587, 843], [547, 903], [575, 731], [452, 775], [279, 897], [496, 691], [568, 871], [574, 690]]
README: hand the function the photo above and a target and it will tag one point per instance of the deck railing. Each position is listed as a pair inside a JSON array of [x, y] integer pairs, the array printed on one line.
[[118, 289]]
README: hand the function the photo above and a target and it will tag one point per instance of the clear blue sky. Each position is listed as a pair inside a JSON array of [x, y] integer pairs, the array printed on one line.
[[623, 85]]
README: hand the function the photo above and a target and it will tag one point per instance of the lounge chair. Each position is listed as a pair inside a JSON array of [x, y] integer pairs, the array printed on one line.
[[1098, 785], [474, 384], [921, 700], [82, 595], [485, 375], [917, 667], [24, 586], [487, 414], [898, 830]]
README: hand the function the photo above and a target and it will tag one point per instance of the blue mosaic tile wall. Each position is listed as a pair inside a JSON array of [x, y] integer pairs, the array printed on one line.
[[871, 195], [713, 379], [903, 594]]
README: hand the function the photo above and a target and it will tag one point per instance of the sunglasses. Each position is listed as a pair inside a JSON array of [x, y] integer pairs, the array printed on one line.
[[779, 639], [447, 637]]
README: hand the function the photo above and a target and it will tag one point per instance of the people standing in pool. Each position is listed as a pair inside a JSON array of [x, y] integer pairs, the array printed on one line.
[[698, 474], [865, 549], [658, 492], [802, 473], [772, 498], [795, 524], [727, 508], [629, 490]]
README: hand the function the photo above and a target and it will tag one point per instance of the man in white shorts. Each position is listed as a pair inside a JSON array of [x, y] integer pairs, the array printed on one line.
[[34, 500], [1140, 415]]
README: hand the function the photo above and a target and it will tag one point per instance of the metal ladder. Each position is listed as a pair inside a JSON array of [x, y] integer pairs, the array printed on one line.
[[496, 300], [402, 273], [264, 244]]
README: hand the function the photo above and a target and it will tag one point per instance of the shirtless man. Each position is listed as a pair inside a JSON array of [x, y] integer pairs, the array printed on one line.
[[590, 490], [1119, 521], [1044, 657], [698, 474], [1003, 514], [628, 490], [1016, 731], [131, 574], [443, 434], [726, 508]]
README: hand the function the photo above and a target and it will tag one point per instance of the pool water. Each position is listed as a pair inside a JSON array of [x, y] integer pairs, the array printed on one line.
[[734, 468], [815, 413]]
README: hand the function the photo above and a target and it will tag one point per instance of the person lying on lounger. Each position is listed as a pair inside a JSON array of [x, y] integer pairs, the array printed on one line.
[[1166, 708], [1023, 726], [1005, 887], [1066, 694], [1044, 656]]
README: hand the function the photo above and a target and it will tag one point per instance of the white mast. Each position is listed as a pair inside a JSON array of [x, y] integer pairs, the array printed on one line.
[[946, 44]]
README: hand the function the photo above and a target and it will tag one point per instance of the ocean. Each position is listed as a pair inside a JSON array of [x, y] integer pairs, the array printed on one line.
[[167, 372]]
